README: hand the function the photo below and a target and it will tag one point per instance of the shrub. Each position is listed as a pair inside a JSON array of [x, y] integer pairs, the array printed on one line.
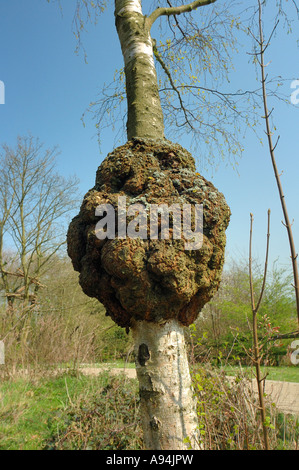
[[105, 418]]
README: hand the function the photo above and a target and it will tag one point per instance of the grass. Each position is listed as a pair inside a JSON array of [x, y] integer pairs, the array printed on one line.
[[31, 411], [25, 407], [285, 374], [113, 365]]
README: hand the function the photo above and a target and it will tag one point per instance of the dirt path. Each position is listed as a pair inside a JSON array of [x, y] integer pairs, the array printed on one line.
[[284, 394], [131, 373]]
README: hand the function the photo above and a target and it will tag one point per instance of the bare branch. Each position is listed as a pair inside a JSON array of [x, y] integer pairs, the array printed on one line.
[[266, 263], [171, 11], [159, 59], [250, 266], [257, 348], [293, 334]]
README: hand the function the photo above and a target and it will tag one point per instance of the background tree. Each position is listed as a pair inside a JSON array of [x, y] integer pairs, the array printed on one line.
[[35, 202], [223, 331], [260, 54], [45, 318]]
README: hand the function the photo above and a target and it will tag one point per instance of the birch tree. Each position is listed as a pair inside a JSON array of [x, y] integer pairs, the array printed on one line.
[[139, 283], [191, 52], [168, 407], [153, 287], [34, 200]]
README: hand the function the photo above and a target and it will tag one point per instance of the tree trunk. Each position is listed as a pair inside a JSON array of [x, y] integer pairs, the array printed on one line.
[[168, 407], [145, 117]]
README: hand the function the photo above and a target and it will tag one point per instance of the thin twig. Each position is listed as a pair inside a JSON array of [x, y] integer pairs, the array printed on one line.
[[277, 176], [257, 348]]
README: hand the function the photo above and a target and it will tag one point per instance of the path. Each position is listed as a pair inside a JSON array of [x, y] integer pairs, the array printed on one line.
[[284, 394]]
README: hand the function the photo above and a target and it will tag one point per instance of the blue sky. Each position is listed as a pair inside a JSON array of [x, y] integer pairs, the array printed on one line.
[[48, 87]]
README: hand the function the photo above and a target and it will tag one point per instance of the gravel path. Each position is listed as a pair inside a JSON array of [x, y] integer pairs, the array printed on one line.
[[284, 394]]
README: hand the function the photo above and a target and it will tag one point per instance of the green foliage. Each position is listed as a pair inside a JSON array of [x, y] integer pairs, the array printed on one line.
[[105, 419], [116, 343], [228, 413], [69, 412], [225, 323]]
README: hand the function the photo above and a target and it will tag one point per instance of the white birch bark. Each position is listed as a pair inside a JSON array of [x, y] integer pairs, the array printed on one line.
[[145, 117], [167, 405], [168, 408]]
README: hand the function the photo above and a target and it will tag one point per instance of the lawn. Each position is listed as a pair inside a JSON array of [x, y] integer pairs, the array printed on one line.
[[27, 407], [110, 365], [285, 374]]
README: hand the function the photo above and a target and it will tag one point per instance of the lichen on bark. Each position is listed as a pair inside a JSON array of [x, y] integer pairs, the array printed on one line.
[[145, 279]]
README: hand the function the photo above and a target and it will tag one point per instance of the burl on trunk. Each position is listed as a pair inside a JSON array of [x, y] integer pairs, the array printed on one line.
[[154, 286]]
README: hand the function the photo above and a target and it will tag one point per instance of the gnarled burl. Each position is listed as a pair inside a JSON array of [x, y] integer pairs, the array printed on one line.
[[144, 279]]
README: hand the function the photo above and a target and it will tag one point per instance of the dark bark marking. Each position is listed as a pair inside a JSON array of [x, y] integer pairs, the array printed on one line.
[[143, 354]]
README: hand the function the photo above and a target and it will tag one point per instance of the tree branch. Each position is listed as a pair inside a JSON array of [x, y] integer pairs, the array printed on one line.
[[176, 10], [266, 263], [293, 334], [159, 59]]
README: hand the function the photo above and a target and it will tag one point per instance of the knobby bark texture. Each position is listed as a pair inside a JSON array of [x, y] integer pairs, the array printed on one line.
[[151, 284], [149, 279]]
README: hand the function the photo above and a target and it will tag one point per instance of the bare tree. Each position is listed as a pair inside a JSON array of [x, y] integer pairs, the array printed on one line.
[[263, 45], [35, 202]]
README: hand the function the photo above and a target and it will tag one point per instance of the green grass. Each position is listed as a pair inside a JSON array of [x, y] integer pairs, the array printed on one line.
[[27, 407], [285, 374]]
